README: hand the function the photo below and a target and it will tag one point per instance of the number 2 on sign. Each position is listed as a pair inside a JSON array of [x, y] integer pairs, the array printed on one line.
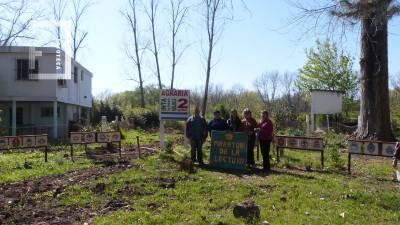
[[183, 105]]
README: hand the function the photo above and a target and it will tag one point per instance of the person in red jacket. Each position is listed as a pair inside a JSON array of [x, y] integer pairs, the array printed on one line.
[[265, 129]]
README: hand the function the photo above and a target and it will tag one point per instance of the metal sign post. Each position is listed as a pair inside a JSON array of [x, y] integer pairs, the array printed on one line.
[[174, 106]]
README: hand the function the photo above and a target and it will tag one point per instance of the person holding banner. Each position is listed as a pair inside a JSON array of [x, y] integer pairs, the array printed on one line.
[[265, 129], [196, 132], [247, 125], [217, 123], [233, 121]]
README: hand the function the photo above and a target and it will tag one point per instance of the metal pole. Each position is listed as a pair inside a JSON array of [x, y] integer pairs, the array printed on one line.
[[327, 121], [185, 140], [45, 154], [308, 127], [162, 135]]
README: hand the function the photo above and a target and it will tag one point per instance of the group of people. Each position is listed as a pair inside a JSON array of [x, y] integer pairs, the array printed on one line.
[[197, 130]]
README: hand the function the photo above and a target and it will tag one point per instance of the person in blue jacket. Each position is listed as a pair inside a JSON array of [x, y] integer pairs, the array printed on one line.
[[217, 123]]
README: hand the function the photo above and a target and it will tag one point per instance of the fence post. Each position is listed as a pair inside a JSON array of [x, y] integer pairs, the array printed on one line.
[[104, 128], [116, 123], [138, 145], [308, 127]]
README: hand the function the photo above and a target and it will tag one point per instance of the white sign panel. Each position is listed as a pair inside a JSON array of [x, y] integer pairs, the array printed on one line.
[[388, 149], [317, 144], [29, 142], [3, 143], [76, 138], [174, 104], [41, 141], [354, 146], [326, 102], [371, 148]]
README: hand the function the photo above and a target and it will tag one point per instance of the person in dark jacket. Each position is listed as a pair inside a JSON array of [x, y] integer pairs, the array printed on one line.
[[233, 121], [265, 129], [196, 132], [217, 123], [247, 125]]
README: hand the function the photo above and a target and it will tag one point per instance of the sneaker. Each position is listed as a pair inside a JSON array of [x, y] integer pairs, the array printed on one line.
[[201, 163]]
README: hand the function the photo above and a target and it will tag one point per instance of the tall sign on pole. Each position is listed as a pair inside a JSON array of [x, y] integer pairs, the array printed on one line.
[[173, 105]]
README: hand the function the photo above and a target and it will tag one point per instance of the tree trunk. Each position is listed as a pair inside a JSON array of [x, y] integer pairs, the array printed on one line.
[[374, 102]]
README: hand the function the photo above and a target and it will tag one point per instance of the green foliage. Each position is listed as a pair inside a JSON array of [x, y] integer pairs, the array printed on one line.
[[285, 113], [168, 145], [123, 134], [327, 70], [143, 117], [174, 124], [225, 112], [334, 154], [292, 131]]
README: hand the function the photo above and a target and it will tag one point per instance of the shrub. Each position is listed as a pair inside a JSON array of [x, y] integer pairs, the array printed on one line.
[[143, 117], [225, 112], [285, 114], [123, 134], [294, 132], [175, 124], [168, 146]]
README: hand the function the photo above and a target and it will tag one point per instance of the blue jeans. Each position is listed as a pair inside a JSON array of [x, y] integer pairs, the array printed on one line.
[[250, 152], [196, 146]]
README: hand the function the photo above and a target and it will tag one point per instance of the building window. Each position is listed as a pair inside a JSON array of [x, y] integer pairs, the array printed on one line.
[[48, 111], [76, 74], [81, 75], [23, 70], [20, 116]]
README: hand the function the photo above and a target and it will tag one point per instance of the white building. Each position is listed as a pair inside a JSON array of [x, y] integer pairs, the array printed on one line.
[[41, 104]]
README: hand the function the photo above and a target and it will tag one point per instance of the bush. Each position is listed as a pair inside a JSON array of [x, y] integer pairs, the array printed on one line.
[[175, 124], [294, 132], [168, 146], [285, 114], [225, 113], [143, 117], [123, 134]]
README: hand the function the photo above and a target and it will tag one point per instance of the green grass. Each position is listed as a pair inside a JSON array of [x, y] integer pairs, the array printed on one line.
[[24, 164], [369, 196], [323, 195]]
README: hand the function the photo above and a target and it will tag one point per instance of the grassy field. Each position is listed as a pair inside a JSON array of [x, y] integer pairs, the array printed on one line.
[[290, 194]]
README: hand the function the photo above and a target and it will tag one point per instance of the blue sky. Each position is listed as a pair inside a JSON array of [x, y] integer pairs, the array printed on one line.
[[249, 47]]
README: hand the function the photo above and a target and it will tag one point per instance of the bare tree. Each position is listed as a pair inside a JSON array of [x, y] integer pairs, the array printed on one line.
[[287, 80], [216, 92], [133, 49], [151, 13], [215, 15], [196, 95], [16, 17], [328, 17], [266, 85], [235, 94], [80, 8], [57, 9], [178, 13]]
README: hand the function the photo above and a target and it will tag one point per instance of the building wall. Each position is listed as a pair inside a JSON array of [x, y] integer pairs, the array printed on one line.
[[42, 90], [18, 90], [32, 116]]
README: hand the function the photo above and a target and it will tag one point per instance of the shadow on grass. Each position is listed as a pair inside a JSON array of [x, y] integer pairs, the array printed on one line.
[[248, 172]]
